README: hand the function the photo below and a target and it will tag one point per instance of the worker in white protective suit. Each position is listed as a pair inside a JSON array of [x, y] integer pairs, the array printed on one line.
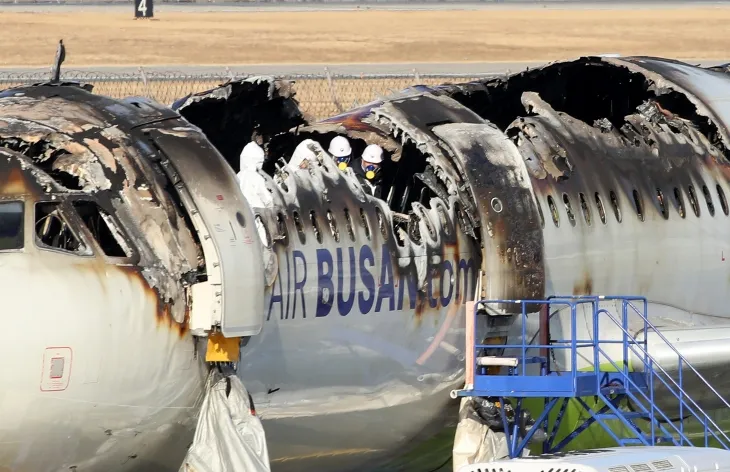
[[253, 185], [342, 152], [303, 155]]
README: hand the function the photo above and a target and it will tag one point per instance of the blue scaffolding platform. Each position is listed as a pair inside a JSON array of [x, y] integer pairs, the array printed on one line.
[[627, 373]]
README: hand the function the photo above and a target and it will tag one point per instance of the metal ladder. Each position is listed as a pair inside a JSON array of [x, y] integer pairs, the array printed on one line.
[[610, 379]]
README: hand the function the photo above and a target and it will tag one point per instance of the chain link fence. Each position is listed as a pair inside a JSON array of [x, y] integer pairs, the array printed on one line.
[[319, 95]]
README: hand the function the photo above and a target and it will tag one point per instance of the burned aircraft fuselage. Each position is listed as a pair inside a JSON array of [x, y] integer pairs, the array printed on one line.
[[595, 176], [97, 258]]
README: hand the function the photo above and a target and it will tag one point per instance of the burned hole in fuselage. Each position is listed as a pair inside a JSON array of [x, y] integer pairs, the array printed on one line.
[[409, 181], [239, 112], [44, 155], [588, 89]]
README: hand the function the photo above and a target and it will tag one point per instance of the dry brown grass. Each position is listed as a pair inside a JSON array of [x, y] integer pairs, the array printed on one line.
[[361, 36]]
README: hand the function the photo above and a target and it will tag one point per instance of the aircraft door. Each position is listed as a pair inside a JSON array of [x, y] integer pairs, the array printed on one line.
[[233, 295], [511, 232]]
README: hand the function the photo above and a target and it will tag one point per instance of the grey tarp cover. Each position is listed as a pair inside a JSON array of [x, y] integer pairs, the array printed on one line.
[[228, 438]]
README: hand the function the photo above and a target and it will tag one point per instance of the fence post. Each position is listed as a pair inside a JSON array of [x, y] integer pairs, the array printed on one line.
[[333, 93], [144, 82]]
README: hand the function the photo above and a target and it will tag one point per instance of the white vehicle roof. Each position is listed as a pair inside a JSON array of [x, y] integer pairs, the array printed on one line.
[[616, 459]]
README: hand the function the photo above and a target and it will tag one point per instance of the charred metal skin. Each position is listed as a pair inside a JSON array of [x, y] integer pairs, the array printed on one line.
[[628, 161], [101, 372]]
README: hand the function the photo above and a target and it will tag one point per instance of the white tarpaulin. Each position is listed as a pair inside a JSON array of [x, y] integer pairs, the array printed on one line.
[[474, 442], [229, 437]]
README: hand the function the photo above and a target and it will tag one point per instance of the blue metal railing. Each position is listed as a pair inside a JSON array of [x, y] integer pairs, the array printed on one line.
[[553, 383], [651, 364]]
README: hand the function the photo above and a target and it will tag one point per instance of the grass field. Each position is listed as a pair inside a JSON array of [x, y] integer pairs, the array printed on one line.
[[92, 38]]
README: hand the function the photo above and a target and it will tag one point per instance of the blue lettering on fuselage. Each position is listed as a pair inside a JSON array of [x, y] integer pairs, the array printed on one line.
[[346, 279]]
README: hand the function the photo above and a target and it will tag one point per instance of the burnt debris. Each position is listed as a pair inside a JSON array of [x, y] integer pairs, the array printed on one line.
[[237, 112]]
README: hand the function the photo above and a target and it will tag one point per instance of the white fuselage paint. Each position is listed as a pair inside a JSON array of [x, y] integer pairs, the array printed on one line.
[[129, 383]]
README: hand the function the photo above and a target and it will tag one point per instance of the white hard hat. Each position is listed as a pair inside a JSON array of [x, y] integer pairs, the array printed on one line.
[[340, 147], [373, 153], [252, 156]]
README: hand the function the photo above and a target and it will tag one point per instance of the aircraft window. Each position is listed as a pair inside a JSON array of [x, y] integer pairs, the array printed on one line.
[[539, 212], [662, 205], [263, 231], [585, 209], [381, 222], [637, 204], [241, 220], [422, 215], [601, 211], [53, 230], [460, 217], [401, 228], [300, 228], [414, 230], [102, 227], [614, 203], [569, 209], [723, 202], [693, 200], [11, 225], [442, 218], [315, 226], [364, 219], [333, 226], [281, 228], [348, 223], [553, 210], [708, 199], [680, 202]]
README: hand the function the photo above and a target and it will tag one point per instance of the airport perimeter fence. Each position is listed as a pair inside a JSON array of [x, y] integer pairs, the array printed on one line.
[[318, 95]]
